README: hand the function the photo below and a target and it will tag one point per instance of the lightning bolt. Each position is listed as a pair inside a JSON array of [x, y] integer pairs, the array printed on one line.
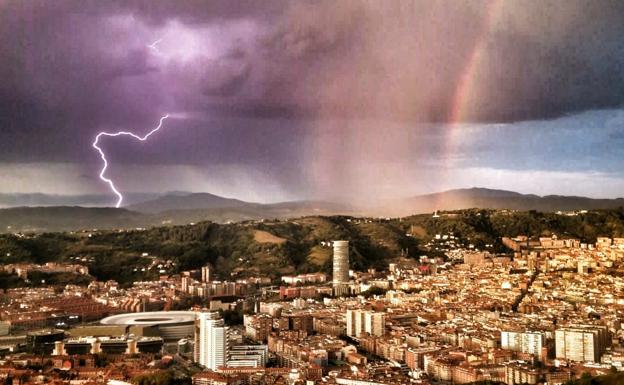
[[153, 45], [96, 146]]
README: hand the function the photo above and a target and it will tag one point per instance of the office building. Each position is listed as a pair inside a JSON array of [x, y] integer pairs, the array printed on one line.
[[340, 277], [352, 321], [581, 343], [186, 281], [249, 356], [206, 274], [211, 340], [525, 342], [362, 322]]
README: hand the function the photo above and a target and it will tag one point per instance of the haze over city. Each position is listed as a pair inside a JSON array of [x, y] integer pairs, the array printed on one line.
[[274, 100]]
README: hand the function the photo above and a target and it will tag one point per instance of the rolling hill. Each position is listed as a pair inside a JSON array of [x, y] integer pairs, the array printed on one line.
[[67, 218], [299, 245], [184, 208], [86, 200], [186, 201], [492, 199], [197, 209]]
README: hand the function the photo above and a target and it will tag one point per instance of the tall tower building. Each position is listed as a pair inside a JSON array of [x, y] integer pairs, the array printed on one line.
[[186, 281], [353, 320], [375, 323], [525, 342], [206, 274], [582, 343], [341, 262], [361, 322], [211, 340]]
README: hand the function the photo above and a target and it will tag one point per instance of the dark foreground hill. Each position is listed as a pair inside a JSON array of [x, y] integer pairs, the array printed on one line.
[[296, 245], [65, 218]]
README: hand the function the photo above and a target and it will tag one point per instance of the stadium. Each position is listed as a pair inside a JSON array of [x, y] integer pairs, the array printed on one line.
[[170, 325]]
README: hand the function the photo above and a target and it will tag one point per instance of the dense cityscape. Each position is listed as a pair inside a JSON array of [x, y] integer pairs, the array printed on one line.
[[311, 192], [547, 310]]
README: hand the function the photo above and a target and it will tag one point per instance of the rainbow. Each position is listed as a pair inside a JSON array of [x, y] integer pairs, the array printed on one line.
[[465, 86], [465, 90]]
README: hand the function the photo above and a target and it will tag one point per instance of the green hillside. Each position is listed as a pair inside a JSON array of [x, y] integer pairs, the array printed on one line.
[[292, 246]]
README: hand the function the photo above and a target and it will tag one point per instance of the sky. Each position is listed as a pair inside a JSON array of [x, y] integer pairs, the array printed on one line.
[[284, 100]]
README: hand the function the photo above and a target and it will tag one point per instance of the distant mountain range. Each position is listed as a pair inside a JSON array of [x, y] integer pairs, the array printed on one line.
[[493, 199], [189, 201], [182, 208], [171, 209], [86, 200]]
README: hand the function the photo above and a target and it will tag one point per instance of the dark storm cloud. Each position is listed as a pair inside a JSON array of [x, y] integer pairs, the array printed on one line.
[[279, 73], [406, 60], [399, 60], [227, 77], [58, 78], [565, 59]]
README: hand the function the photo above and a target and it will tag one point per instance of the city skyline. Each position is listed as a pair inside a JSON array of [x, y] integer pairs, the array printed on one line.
[[311, 192]]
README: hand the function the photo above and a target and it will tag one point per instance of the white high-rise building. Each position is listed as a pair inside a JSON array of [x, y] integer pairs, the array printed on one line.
[[186, 282], [375, 323], [360, 322], [211, 340], [206, 274], [353, 321], [581, 343], [341, 262], [525, 342]]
